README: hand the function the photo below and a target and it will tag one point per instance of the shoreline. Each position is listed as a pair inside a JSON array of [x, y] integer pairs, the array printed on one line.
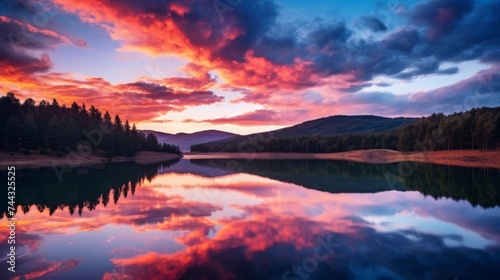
[[20, 160], [465, 158]]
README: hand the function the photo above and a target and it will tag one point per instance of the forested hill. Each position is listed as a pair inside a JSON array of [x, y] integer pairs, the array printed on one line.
[[474, 129], [335, 125], [186, 140], [50, 128], [314, 129]]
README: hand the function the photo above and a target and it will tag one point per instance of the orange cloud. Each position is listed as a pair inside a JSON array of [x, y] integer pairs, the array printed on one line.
[[211, 43], [179, 9], [46, 268], [22, 50], [226, 46], [265, 61], [137, 101], [258, 117]]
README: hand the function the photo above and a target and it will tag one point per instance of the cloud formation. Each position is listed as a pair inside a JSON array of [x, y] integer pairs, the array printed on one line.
[[135, 101], [247, 50], [252, 46], [25, 39], [257, 117]]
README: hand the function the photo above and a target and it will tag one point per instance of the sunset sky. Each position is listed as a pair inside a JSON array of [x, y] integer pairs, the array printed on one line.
[[245, 66]]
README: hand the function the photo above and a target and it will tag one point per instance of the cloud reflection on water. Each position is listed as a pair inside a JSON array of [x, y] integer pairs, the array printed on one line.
[[243, 226]]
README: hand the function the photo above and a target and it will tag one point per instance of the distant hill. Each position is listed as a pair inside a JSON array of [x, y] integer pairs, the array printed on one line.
[[185, 140], [334, 125]]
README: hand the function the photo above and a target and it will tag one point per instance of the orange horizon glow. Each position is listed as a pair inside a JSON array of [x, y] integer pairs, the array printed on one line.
[[183, 67]]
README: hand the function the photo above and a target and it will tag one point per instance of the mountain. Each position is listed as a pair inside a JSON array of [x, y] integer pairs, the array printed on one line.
[[329, 126], [185, 140], [335, 125]]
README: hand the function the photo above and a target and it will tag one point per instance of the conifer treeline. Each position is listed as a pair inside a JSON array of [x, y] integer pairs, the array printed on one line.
[[474, 129], [80, 191], [52, 129], [478, 128], [305, 144]]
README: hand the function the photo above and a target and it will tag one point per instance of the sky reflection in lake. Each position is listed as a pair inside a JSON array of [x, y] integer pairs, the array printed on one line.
[[195, 222]]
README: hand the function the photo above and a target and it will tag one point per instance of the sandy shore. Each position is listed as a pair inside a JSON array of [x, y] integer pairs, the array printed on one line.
[[35, 160], [467, 158]]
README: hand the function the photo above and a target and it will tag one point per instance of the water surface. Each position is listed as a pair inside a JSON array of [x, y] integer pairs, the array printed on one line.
[[257, 219]]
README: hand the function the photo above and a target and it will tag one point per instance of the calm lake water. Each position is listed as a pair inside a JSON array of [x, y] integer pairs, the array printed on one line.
[[256, 219]]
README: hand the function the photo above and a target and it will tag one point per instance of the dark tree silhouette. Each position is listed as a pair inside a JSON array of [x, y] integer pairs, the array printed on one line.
[[49, 128]]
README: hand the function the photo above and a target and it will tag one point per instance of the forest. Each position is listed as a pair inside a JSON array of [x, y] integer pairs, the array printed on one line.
[[475, 129], [53, 129], [478, 186], [82, 190]]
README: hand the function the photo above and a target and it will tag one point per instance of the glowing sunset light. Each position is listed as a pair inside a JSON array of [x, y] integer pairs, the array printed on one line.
[[276, 62]]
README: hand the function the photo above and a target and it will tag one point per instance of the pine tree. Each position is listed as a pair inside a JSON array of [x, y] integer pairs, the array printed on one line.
[[129, 148], [2, 137], [30, 137], [152, 143], [10, 107], [118, 136], [53, 135], [108, 140], [95, 117], [28, 106], [84, 117], [135, 139], [71, 133], [13, 134]]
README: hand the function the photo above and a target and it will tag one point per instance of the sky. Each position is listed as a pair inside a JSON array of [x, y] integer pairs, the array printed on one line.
[[247, 66]]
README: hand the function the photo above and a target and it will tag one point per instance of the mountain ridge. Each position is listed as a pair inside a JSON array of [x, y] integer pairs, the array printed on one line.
[[326, 126], [364, 125], [186, 140]]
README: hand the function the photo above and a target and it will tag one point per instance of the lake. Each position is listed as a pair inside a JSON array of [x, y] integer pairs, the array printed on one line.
[[256, 219]]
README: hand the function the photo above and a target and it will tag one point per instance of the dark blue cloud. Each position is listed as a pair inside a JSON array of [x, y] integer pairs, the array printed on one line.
[[431, 33], [17, 47], [27, 33], [279, 50], [403, 41], [18, 8], [256, 19], [480, 90], [436, 32], [356, 88], [383, 84], [441, 16], [372, 23], [467, 33], [156, 91]]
